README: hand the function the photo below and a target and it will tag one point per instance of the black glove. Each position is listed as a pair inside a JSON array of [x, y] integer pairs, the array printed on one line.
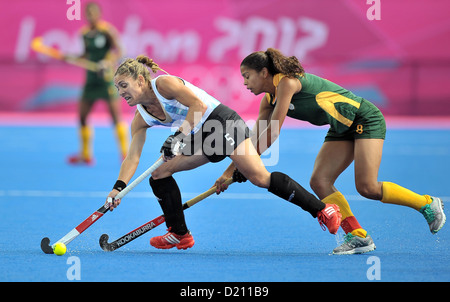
[[238, 177], [173, 145]]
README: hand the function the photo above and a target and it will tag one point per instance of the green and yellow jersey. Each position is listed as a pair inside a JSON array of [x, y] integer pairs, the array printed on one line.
[[98, 44], [321, 102]]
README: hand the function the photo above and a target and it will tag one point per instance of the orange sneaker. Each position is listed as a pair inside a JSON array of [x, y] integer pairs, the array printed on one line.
[[171, 240], [80, 160], [330, 217]]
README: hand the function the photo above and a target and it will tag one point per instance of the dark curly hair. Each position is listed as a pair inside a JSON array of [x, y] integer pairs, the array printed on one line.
[[274, 61]]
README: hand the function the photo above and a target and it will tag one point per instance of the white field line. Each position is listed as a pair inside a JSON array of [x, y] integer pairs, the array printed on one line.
[[148, 195]]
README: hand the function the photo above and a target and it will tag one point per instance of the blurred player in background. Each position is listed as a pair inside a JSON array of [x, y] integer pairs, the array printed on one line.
[[357, 132], [101, 44]]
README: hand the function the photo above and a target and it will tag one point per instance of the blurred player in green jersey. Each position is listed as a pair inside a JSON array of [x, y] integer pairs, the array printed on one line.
[[101, 45]]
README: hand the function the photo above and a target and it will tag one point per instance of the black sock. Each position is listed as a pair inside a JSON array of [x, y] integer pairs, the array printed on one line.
[[285, 187], [169, 197]]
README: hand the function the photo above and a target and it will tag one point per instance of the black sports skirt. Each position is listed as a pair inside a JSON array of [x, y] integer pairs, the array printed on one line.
[[219, 135]]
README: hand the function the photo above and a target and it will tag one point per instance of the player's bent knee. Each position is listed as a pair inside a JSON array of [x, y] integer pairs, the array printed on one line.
[[162, 172], [262, 181], [370, 191], [160, 175], [315, 184], [319, 185]]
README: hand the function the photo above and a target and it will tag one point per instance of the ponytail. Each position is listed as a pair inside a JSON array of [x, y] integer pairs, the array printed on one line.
[[275, 62], [149, 63], [289, 66]]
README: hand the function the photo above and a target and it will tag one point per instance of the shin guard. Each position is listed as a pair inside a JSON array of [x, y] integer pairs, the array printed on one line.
[[285, 187], [169, 197]]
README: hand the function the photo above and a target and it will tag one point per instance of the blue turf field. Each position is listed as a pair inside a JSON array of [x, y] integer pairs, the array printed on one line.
[[245, 234]]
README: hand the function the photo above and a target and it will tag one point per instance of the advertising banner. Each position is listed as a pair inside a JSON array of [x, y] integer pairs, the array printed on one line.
[[395, 53]]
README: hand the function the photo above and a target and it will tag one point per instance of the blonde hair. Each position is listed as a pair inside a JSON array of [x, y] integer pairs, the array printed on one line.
[[138, 66]]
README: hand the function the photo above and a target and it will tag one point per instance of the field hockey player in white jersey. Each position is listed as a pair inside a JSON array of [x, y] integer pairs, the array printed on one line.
[[206, 131]]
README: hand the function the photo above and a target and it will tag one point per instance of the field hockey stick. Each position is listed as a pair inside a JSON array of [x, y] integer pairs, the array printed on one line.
[[45, 242], [38, 45], [109, 247]]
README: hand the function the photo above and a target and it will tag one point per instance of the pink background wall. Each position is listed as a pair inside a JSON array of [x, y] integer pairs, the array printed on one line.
[[401, 62]]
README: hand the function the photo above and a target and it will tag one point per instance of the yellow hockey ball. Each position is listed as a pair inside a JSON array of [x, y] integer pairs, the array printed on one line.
[[59, 249]]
